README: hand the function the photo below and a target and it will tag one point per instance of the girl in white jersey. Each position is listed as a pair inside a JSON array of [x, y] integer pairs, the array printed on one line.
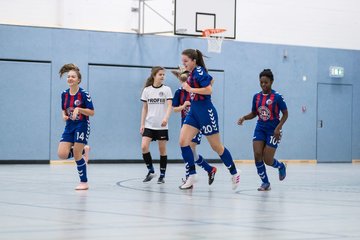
[[156, 110]]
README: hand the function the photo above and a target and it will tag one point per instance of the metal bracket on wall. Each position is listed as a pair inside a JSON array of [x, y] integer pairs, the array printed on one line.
[[140, 10]]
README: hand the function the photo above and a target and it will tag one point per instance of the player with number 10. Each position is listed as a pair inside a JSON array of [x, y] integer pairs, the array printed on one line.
[[267, 105]]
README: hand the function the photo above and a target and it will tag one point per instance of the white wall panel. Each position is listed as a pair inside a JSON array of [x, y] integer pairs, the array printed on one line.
[[320, 23]]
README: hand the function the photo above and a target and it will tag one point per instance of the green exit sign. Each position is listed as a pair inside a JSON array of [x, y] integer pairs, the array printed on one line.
[[336, 72]]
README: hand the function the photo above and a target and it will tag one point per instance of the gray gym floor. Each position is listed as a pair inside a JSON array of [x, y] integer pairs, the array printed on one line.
[[314, 202]]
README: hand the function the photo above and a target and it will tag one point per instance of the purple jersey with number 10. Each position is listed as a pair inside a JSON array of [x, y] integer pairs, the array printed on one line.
[[268, 107]]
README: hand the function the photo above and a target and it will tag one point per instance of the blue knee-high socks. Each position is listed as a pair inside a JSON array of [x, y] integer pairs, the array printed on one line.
[[202, 163], [228, 161], [81, 167], [261, 170], [188, 157], [277, 164]]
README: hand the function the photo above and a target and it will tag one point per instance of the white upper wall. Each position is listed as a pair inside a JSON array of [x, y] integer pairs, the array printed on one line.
[[318, 23]]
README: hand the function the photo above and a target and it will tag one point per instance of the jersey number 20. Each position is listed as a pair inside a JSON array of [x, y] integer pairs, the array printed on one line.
[[207, 129]]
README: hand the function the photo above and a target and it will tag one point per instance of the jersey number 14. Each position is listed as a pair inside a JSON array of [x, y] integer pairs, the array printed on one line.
[[80, 136]]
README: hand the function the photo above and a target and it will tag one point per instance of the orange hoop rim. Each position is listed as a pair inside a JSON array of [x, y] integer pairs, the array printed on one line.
[[210, 31]]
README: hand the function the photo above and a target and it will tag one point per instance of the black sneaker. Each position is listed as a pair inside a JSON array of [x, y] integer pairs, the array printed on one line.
[[212, 175], [161, 180], [149, 176]]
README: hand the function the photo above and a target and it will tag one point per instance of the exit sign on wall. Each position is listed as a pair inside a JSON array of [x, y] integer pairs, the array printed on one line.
[[336, 72]]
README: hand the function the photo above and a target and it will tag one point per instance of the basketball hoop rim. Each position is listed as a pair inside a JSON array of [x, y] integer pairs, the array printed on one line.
[[212, 31]]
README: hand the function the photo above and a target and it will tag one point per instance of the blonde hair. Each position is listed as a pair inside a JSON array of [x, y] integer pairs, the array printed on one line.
[[70, 67]]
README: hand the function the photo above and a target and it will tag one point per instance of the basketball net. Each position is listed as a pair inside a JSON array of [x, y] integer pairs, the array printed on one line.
[[215, 38]]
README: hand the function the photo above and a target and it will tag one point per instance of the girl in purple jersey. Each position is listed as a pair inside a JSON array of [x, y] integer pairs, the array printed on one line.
[[266, 105], [77, 106], [181, 103], [201, 117]]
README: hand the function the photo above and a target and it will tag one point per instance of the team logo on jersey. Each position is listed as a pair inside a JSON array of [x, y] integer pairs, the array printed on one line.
[[264, 113], [269, 102], [77, 102], [161, 94], [156, 100]]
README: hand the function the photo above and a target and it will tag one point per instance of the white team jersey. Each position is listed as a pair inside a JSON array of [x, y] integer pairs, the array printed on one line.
[[156, 97]]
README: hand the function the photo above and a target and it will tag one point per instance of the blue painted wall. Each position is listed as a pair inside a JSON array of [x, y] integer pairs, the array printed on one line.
[[116, 90]]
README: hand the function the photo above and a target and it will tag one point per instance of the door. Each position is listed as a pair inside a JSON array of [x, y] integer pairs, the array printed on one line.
[[334, 119], [25, 110]]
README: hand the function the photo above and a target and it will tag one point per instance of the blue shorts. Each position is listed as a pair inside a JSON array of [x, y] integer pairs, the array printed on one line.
[[266, 135], [203, 116], [76, 132], [197, 138]]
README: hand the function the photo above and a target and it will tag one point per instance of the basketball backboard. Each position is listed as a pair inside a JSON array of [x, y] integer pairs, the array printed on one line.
[[193, 16]]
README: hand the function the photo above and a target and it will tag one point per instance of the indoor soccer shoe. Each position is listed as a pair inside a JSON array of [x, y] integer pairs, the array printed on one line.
[[82, 186], [264, 187], [212, 175], [161, 180], [189, 183], [282, 172], [235, 179], [149, 176]]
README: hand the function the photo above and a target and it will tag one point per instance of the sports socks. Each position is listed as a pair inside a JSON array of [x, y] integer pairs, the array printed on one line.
[[228, 161], [277, 164], [148, 161], [261, 170], [163, 163], [202, 163], [81, 167], [188, 157]]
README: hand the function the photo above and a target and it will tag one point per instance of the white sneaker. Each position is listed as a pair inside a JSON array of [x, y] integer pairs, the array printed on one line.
[[189, 183], [86, 153], [235, 180], [82, 186]]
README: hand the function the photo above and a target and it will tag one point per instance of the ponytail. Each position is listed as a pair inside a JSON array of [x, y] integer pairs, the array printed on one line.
[[195, 54]]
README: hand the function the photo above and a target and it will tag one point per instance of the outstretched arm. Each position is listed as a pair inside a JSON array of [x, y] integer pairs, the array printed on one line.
[[249, 116]]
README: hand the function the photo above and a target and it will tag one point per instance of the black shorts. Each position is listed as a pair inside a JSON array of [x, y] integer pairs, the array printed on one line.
[[156, 134]]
